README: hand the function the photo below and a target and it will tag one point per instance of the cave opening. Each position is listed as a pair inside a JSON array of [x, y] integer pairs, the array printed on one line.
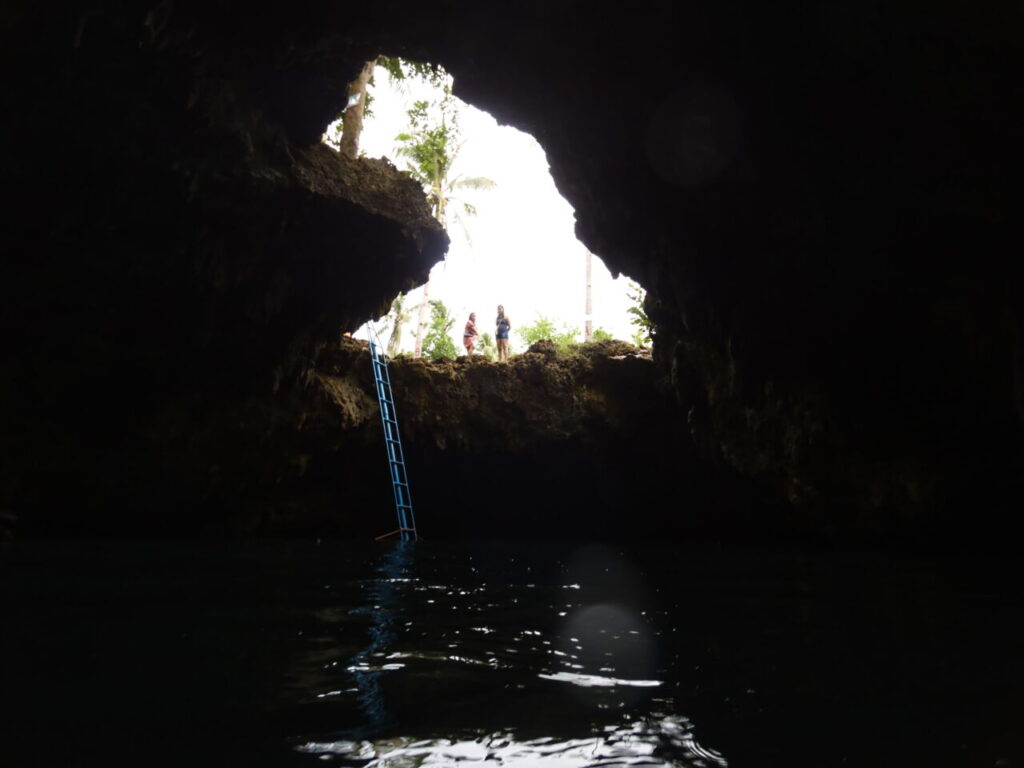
[[512, 234], [191, 468], [562, 417]]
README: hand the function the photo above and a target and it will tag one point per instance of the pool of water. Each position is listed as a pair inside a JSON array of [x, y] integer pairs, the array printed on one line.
[[509, 654]]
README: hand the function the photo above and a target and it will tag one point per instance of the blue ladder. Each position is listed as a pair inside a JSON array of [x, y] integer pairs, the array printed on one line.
[[393, 443]]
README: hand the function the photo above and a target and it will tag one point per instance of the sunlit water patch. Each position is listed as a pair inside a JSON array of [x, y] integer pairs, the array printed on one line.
[[367, 654], [664, 742], [552, 656]]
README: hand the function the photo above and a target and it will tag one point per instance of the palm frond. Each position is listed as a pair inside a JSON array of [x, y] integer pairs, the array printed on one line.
[[462, 223], [475, 182]]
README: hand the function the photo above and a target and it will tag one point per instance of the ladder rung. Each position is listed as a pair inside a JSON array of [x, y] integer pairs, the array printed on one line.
[[392, 440]]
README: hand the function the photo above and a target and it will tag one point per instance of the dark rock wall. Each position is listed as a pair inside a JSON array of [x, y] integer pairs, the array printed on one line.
[[544, 446], [817, 196], [172, 261]]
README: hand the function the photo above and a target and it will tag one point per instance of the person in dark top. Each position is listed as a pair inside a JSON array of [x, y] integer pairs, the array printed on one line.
[[469, 334], [501, 334]]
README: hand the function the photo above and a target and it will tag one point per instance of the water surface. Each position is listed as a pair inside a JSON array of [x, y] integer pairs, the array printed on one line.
[[510, 654]]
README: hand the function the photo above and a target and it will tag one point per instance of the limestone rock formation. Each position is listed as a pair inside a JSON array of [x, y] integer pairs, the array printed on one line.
[[516, 449], [815, 196]]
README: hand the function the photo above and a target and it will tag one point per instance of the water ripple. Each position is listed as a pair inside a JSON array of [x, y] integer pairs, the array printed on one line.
[[430, 658], [665, 742]]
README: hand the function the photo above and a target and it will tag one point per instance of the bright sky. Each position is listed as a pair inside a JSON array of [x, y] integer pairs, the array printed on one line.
[[522, 250]]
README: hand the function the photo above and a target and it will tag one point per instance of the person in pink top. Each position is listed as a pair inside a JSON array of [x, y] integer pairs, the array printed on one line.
[[469, 335]]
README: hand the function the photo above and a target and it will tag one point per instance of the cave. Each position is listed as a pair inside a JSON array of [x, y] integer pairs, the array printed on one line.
[[816, 197], [827, 344]]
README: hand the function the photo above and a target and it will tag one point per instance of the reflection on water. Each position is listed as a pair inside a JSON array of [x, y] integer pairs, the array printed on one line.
[[382, 596], [293, 653], [664, 742], [537, 651]]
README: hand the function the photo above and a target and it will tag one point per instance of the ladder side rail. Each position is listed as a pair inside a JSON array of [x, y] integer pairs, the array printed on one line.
[[403, 496], [384, 423], [393, 444]]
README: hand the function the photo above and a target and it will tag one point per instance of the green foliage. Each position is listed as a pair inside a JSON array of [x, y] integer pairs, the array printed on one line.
[[438, 344], [399, 70], [644, 329], [600, 334], [393, 66], [431, 145], [544, 328], [487, 347]]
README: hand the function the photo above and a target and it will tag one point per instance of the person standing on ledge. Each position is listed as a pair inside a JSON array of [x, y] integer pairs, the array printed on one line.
[[501, 334], [469, 335]]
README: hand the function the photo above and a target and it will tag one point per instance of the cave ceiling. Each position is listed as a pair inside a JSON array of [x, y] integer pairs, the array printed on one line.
[[815, 196]]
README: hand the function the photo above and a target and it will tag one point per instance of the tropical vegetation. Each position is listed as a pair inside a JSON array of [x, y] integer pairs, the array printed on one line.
[[438, 344]]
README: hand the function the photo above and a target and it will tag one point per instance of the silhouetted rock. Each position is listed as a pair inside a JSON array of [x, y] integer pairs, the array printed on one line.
[[816, 198]]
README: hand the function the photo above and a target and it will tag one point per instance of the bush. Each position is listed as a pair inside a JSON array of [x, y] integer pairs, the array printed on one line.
[[487, 347], [644, 332], [438, 344], [544, 328]]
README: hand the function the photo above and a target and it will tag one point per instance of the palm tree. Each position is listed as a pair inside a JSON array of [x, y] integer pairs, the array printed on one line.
[[398, 317], [347, 129], [431, 151], [431, 147], [487, 346], [352, 117]]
